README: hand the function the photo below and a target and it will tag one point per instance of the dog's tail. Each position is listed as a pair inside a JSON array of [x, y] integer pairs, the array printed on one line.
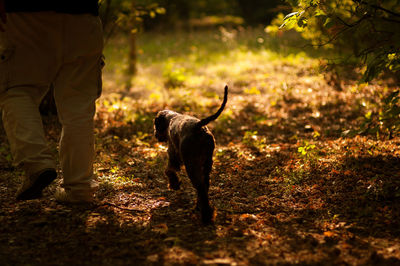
[[207, 120]]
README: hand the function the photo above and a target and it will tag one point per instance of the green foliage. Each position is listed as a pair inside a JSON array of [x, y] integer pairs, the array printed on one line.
[[173, 76], [308, 153], [385, 121], [127, 15], [252, 140], [252, 91], [366, 30], [296, 177], [306, 150]]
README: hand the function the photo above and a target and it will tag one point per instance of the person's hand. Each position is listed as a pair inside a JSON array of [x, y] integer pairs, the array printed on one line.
[[3, 16]]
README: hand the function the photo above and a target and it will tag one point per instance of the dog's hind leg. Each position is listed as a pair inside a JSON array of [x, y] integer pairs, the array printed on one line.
[[207, 169], [201, 184]]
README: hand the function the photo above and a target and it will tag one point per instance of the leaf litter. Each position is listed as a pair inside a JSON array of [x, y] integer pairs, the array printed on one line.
[[287, 187]]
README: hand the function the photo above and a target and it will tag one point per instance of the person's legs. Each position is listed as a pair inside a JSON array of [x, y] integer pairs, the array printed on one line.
[[65, 50], [77, 86], [23, 126], [25, 76], [76, 111]]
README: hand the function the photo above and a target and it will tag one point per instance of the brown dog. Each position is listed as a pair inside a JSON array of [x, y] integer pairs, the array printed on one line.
[[192, 144]]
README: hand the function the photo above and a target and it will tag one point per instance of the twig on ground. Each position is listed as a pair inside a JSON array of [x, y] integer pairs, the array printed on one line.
[[118, 207]]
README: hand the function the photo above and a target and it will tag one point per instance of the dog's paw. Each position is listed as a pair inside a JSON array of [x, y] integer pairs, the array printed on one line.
[[207, 216], [175, 185]]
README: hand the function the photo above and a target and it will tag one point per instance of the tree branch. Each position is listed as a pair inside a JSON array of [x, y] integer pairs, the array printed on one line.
[[354, 24], [391, 20], [378, 7], [386, 10]]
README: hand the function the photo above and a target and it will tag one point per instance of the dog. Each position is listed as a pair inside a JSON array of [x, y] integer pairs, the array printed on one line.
[[190, 143]]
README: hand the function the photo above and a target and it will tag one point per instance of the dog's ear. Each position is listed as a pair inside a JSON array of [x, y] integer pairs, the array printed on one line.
[[160, 127], [160, 122]]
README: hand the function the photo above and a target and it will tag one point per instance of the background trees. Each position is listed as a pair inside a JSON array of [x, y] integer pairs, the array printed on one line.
[[360, 36], [364, 33], [367, 31], [179, 12]]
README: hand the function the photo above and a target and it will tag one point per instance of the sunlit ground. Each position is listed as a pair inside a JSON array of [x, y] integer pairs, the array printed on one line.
[[280, 156], [288, 186], [199, 64]]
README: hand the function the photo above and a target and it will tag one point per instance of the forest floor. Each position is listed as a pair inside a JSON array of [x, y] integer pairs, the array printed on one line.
[[288, 187]]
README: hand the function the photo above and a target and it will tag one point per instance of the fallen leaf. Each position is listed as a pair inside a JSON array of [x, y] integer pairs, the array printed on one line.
[[161, 229], [329, 233]]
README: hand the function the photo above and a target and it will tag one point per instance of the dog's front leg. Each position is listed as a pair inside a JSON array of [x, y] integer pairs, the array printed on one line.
[[174, 182], [173, 167]]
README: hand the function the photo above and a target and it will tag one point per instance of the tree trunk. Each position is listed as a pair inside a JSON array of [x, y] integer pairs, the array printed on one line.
[[132, 68]]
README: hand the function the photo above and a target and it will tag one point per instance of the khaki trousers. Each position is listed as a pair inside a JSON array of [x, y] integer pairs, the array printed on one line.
[[43, 48]]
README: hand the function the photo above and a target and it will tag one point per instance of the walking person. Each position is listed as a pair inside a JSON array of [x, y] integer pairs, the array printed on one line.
[[42, 44]]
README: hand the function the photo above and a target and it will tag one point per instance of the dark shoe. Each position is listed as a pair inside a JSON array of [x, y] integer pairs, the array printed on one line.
[[33, 185]]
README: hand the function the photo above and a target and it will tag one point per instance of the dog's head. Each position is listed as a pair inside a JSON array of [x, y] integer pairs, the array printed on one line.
[[161, 124]]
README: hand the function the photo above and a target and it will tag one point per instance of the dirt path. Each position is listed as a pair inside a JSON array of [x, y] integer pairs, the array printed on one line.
[[341, 209], [287, 187]]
